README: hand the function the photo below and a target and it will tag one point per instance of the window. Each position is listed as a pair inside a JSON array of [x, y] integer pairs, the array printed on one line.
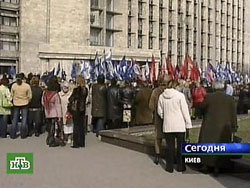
[[11, 37], [109, 38], [8, 46], [151, 43], [94, 37], [5, 69], [8, 21], [139, 41], [129, 41], [110, 6], [140, 25], [94, 3], [109, 23]]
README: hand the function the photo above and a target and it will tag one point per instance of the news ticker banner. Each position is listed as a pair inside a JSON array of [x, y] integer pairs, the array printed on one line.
[[216, 149]]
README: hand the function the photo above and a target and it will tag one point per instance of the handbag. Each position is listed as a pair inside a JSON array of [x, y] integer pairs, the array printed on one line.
[[236, 139], [6, 102]]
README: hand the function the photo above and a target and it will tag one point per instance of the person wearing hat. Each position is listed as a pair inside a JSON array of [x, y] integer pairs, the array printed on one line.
[[157, 121], [66, 117]]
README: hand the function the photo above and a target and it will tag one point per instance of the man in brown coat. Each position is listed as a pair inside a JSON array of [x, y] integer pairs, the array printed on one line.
[[157, 121], [219, 122]]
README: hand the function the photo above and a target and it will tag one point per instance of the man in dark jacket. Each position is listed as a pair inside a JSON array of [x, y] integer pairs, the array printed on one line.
[[127, 97], [219, 122], [99, 104], [114, 107], [35, 108]]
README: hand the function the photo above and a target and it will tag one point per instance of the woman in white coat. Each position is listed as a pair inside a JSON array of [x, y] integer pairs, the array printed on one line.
[[67, 121], [173, 109]]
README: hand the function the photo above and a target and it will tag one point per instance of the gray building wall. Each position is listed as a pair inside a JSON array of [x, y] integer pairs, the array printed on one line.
[[210, 31]]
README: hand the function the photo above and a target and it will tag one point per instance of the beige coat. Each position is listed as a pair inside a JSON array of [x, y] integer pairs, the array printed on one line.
[[21, 94]]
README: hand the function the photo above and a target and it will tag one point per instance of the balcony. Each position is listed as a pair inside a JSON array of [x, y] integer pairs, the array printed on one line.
[[9, 29], [9, 6], [112, 12], [9, 54]]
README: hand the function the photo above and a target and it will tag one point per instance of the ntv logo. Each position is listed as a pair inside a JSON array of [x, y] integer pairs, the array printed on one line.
[[19, 163]]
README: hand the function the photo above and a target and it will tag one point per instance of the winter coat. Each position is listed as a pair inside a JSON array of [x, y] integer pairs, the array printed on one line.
[[21, 94], [64, 103], [127, 95], [153, 104], [143, 114], [173, 109], [198, 95], [37, 94], [99, 101], [114, 110], [78, 97], [218, 123], [4, 91], [52, 104]]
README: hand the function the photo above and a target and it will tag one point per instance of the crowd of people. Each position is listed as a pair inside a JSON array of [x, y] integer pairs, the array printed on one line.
[[69, 107]]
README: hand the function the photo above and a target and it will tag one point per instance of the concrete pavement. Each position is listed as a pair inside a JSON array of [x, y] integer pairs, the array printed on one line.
[[98, 165]]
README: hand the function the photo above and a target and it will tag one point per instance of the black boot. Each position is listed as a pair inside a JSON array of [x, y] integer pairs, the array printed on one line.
[[157, 158]]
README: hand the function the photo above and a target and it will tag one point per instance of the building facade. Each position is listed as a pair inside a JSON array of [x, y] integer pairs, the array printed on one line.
[[38, 34]]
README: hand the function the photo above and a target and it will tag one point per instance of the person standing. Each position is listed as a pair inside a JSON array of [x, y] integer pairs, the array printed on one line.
[[157, 121], [53, 114], [99, 104], [35, 108], [77, 107], [228, 88], [4, 111], [114, 112], [21, 94], [219, 122], [173, 109], [66, 118], [198, 95], [127, 98], [143, 114]]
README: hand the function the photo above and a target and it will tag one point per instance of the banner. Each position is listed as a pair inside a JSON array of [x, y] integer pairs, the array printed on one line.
[[216, 149]]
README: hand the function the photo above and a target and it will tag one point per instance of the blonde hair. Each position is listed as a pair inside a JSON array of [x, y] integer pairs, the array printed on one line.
[[80, 81], [34, 81]]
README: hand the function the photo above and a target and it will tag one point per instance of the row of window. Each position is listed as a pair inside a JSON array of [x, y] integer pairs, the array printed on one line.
[[8, 21], [8, 46], [10, 1]]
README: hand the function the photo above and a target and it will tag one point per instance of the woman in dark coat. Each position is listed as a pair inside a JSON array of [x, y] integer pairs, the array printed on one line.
[[114, 110], [219, 122], [243, 103], [99, 104], [77, 107], [143, 114]]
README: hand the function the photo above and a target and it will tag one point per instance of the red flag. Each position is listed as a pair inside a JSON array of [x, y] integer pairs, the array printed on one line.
[[195, 74], [188, 63], [177, 74], [183, 71], [170, 68], [163, 68], [152, 71]]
